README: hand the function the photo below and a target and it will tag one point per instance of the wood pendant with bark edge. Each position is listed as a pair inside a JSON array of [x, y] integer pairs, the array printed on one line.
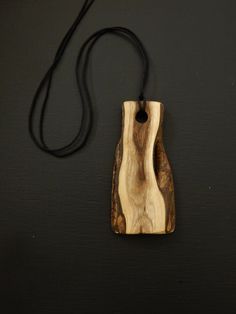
[[142, 185]]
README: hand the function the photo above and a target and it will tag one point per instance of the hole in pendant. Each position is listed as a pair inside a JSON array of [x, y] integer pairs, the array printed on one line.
[[141, 116]]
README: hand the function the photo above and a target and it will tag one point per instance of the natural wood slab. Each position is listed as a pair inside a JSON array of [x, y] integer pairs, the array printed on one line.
[[142, 187]]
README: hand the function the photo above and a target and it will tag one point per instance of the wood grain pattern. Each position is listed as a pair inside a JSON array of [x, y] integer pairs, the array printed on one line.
[[142, 187]]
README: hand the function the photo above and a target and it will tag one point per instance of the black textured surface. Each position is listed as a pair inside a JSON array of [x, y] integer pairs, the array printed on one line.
[[57, 251]]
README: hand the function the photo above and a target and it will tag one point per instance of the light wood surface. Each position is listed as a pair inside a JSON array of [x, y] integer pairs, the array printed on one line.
[[142, 189]]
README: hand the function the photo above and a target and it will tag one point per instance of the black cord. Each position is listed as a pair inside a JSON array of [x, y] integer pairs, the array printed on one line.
[[81, 75]]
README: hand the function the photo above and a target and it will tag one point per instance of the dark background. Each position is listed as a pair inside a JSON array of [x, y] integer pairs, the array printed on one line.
[[57, 251]]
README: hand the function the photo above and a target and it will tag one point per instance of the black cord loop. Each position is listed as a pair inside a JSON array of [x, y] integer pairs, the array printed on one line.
[[81, 76]]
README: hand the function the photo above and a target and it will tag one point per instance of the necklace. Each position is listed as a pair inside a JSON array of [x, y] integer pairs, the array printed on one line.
[[142, 185]]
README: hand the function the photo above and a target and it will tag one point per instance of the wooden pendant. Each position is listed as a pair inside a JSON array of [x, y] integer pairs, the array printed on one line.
[[142, 187]]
